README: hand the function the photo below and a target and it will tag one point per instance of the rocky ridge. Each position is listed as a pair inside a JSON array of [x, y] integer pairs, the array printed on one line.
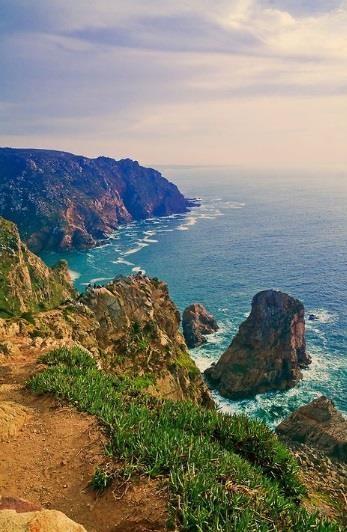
[[268, 351], [197, 322], [64, 201]]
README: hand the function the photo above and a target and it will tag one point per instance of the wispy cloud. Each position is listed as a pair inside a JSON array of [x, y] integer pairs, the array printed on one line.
[[135, 76]]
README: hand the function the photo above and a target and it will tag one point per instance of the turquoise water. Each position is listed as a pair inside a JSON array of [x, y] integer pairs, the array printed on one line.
[[286, 231]]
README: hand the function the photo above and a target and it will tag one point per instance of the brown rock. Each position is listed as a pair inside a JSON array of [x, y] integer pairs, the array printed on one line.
[[197, 323], [39, 521], [318, 424], [267, 352], [139, 331], [12, 418]]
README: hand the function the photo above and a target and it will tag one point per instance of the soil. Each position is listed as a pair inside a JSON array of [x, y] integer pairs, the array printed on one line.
[[49, 459]]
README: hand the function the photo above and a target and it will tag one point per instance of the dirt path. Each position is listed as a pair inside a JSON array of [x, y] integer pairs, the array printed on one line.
[[51, 458]]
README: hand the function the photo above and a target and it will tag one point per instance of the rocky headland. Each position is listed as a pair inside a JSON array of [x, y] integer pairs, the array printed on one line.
[[268, 351], [197, 322], [63, 201]]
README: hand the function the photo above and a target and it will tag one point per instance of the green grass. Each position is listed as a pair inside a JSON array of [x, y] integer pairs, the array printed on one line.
[[224, 473]]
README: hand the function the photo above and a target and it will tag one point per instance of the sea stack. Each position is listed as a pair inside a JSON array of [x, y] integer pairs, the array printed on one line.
[[318, 424], [197, 322], [268, 351]]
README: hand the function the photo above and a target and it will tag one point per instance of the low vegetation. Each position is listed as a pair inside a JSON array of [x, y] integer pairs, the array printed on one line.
[[224, 473]]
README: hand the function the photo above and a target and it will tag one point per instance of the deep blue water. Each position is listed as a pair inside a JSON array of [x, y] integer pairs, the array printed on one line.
[[253, 231]]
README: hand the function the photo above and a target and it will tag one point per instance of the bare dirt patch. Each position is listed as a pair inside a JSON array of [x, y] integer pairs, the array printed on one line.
[[52, 455]]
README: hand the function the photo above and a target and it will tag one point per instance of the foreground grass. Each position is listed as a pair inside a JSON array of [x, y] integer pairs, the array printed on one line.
[[225, 473]]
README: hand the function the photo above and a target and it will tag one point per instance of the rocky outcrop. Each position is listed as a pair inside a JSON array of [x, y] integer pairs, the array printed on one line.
[[318, 424], [26, 283], [268, 351], [138, 332], [37, 521], [12, 418], [63, 201], [197, 323], [130, 326]]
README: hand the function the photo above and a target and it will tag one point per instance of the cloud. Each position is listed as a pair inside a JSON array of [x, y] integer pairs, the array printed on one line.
[[141, 74]]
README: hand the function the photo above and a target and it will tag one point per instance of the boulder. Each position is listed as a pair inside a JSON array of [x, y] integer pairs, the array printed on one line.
[[268, 351], [197, 322], [39, 521], [318, 424]]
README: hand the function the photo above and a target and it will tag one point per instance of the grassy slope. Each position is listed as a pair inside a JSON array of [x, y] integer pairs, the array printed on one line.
[[225, 473]]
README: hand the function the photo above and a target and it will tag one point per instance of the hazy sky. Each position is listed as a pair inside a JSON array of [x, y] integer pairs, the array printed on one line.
[[251, 82]]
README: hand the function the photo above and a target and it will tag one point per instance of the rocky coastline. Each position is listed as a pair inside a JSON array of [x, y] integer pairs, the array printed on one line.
[[62, 201]]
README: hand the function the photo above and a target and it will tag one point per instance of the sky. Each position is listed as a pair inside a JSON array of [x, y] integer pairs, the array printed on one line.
[[195, 82]]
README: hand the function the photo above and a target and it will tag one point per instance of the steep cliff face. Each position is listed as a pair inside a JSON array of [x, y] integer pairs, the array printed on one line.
[[26, 283], [269, 350], [63, 201], [197, 323]]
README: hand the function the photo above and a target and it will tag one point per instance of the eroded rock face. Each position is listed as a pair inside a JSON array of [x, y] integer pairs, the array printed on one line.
[[64, 201], [268, 351], [318, 424], [26, 283], [197, 322]]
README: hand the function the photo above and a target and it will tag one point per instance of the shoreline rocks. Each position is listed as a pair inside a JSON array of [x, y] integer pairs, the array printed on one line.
[[318, 424], [268, 351], [197, 322]]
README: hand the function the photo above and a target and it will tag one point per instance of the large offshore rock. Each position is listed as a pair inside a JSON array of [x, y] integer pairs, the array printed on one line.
[[318, 424], [197, 322], [268, 351]]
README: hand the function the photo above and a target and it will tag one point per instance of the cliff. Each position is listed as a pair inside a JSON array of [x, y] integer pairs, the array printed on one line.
[[26, 283], [268, 351], [63, 201]]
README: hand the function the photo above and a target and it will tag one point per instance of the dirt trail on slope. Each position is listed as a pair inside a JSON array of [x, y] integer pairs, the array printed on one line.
[[50, 454]]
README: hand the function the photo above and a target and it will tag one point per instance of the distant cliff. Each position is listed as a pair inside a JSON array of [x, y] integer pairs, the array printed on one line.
[[63, 201]]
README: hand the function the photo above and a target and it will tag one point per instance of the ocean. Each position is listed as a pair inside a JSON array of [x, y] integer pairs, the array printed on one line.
[[253, 231]]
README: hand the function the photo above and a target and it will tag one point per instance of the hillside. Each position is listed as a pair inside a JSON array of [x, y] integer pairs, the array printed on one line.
[[63, 201], [26, 283]]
